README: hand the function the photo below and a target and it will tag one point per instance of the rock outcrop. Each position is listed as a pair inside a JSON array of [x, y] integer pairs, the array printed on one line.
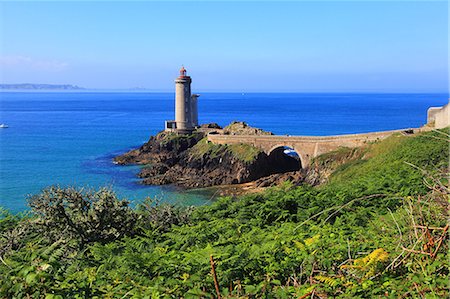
[[295, 177], [164, 148], [242, 128], [190, 161]]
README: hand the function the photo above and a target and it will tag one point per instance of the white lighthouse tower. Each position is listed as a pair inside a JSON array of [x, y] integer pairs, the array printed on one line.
[[186, 110]]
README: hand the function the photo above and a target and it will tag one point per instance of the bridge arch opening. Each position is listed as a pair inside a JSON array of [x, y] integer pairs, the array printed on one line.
[[284, 159]]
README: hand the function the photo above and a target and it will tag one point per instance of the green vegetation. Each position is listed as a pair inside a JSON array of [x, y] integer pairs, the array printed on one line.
[[243, 152], [179, 142], [377, 229], [337, 157], [203, 147]]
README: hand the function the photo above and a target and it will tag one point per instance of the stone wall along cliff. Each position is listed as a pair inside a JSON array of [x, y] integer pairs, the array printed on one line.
[[439, 117]]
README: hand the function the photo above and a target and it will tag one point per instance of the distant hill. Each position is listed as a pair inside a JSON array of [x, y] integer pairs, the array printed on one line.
[[30, 86]]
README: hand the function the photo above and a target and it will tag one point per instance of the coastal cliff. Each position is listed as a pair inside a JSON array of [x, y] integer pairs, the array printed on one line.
[[190, 161]]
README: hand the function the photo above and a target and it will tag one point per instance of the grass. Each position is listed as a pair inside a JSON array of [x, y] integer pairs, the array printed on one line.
[[203, 147], [243, 152], [387, 164], [339, 156]]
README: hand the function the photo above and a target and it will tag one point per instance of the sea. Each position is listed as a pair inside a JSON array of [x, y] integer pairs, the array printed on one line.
[[70, 138]]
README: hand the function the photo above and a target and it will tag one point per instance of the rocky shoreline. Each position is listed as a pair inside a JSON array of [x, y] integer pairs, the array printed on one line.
[[190, 161]]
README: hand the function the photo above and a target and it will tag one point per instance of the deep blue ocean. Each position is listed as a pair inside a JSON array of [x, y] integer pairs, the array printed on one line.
[[69, 138]]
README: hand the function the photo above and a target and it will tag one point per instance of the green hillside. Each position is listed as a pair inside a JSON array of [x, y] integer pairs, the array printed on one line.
[[377, 229]]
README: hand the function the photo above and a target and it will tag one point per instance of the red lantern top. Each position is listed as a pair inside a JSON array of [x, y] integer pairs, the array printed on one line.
[[182, 72]]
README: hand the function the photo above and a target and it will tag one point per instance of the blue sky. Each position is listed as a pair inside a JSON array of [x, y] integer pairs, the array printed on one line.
[[319, 46]]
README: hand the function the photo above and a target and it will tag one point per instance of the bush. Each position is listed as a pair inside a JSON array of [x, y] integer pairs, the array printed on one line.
[[161, 216], [85, 215]]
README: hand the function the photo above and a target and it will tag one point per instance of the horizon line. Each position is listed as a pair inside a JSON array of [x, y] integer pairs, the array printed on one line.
[[81, 90]]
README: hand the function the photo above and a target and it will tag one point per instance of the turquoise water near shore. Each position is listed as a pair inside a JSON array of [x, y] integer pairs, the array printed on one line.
[[69, 138]]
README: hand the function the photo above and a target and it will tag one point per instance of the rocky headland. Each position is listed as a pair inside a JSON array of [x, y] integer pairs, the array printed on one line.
[[190, 161]]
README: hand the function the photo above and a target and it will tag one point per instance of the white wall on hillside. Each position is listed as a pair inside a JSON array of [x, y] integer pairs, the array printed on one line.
[[440, 116]]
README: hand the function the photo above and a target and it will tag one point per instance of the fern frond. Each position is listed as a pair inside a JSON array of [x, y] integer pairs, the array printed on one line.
[[300, 245], [327, 280], [368, 264], [311, 241]]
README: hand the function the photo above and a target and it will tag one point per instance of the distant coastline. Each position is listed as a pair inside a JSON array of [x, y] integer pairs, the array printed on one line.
[[34, 87], [31, 86]]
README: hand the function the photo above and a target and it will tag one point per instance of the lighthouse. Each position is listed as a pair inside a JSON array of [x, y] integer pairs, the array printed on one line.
[[186, 108]]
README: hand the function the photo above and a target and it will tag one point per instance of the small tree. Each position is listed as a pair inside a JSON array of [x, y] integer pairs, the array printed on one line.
[[85, 215]]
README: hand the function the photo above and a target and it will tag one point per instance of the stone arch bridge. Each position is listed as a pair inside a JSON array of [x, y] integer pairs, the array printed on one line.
[[307, 147]]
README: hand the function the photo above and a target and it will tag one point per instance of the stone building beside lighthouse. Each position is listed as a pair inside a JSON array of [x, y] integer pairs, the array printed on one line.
[[186, 106]]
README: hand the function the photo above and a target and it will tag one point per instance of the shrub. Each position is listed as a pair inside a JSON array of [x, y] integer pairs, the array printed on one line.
[[161, 216], [85, 215]]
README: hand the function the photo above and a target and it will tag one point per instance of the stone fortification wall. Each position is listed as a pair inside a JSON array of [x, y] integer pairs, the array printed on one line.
[[439, 117]]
